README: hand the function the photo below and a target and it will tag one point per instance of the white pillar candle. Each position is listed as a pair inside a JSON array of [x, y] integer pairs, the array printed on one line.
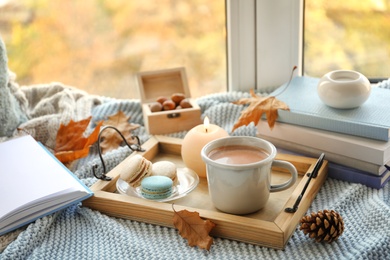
[[194, 141]]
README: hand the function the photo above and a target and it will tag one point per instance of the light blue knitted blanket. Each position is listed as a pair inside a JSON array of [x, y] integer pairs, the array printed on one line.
[[81, 233]]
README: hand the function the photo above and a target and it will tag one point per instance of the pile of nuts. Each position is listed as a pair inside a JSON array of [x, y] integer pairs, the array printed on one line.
[[177, 101]]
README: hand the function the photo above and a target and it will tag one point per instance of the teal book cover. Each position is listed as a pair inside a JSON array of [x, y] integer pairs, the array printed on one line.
[[370, 120]]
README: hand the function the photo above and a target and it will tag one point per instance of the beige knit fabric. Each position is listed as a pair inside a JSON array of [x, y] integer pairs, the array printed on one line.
[[6, 239], [50, 105]]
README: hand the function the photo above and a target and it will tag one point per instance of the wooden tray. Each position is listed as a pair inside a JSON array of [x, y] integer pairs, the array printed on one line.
[[270, 227]]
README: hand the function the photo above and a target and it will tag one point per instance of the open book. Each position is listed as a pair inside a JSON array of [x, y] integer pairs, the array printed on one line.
[[33, 183]]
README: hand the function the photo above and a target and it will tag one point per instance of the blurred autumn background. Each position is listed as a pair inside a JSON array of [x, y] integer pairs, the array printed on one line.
[[99, 45], [348, 34]]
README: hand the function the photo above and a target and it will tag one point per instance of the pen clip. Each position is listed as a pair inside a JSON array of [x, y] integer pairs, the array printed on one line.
[[311, 175]]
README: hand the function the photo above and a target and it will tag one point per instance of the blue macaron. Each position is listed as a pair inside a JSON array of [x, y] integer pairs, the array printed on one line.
[[156, 187]]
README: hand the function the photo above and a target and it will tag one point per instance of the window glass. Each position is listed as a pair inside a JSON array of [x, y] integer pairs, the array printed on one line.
[[98, 46], [349, 34]]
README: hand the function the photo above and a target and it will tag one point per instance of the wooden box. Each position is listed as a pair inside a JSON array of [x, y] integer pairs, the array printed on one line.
[[270, 227], [153, 84]]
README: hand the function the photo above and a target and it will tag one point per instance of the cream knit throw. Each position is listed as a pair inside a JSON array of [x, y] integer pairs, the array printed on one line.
[[50, 105], [12, 101]]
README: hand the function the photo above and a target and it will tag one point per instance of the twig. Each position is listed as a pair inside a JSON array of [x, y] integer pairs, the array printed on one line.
[[288, 83]]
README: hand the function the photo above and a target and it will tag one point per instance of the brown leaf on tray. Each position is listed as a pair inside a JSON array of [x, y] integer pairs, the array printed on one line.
[[110, 138], [258, 106], [193, 228], [70, 141]]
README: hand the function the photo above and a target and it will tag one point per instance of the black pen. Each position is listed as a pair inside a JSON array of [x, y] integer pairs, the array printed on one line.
[[313, 174]]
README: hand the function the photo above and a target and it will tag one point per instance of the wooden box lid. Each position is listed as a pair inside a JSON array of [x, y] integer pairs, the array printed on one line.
[[153, 84]]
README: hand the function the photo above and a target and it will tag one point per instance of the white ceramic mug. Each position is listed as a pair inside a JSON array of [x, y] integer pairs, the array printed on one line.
[[242, 187]]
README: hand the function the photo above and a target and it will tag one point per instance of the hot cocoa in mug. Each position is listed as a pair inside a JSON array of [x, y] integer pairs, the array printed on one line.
[[237, 154], [239, 173]]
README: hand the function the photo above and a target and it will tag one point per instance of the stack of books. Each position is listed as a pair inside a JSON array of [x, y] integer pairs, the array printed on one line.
[[355, 141]]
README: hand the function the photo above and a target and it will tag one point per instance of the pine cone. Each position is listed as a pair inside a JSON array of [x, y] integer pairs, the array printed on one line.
[[324, 225]]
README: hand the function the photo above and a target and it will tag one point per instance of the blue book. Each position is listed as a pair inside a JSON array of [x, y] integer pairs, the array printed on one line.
[[33, 183], [370, 120], [343, 173]]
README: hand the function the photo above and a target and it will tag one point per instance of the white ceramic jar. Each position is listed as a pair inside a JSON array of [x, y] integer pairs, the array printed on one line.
[[344, 89]]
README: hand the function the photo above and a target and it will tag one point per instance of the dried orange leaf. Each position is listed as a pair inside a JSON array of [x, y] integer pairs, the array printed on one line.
[[70, 141], [258, 106], [110, 138], [193, 228]]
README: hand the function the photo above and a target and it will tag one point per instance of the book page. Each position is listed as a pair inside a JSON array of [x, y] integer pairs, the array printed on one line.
[[28, 173], [50, 205]]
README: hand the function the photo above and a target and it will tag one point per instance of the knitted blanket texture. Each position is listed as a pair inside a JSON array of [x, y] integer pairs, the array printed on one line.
[[12, 103], [81, 233]]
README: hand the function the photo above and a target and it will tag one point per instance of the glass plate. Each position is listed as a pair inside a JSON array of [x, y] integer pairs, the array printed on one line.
[[187, 181]]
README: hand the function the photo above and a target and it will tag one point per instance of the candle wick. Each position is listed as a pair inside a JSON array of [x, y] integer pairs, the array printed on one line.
[[206, 130]]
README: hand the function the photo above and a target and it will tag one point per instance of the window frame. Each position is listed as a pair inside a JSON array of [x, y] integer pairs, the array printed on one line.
[[264, 42]]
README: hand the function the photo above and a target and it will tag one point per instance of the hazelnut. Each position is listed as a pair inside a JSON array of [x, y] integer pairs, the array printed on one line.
[[169, 105], [161, 99], [177, 98], [155, 106], [185, 103]]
